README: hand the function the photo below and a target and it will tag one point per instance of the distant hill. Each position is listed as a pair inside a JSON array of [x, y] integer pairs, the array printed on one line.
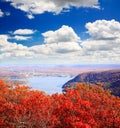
[[109, 80]]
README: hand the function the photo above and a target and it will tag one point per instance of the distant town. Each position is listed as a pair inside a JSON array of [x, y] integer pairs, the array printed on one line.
[[27, 71]]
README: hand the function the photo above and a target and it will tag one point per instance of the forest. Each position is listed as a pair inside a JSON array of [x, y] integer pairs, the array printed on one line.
[[85, 106]]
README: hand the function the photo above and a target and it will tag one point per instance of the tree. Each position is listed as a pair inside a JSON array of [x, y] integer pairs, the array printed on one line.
[[82, 107]]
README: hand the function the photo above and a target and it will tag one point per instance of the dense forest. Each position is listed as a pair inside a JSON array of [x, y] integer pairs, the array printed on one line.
[[81, 107]]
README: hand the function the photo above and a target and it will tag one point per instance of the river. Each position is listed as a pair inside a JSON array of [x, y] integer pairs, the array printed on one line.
[[49, 85]]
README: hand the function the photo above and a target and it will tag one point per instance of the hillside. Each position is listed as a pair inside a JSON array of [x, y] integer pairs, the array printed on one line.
[[109, 80]]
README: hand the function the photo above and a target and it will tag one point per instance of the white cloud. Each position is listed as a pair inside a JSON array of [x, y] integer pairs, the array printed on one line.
[[53, 49], [22, 37], [104, 44], [54, 6], [11, 50], [105, 35], [99, 45], [63, 40], [24, 32], [57, 48], [103, 29], [64, 34], [1, 13], [41, 49], [64, 46], [3, 38]]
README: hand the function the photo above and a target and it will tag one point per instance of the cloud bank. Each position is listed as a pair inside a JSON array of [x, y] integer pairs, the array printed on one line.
[[64, 46]]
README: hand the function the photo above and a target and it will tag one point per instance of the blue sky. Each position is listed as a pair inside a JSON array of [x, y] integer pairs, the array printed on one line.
[[59, 32]]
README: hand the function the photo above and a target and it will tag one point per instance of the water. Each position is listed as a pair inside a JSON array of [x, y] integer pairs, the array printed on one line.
[[49, 85]]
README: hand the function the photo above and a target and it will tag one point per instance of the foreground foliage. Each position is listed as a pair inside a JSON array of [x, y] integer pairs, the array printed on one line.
[[81, 107]]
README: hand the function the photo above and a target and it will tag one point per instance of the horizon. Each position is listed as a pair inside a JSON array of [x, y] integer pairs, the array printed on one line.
[[61, 65]]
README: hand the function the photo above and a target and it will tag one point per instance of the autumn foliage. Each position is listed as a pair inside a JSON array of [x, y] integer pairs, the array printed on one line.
[[85, 106]]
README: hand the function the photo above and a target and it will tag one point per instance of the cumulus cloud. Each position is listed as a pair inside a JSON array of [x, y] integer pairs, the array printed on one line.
[[65, 46], [53, 49], [11, 50], [104, 43], [54, 6], [24, 32], [66, 42], [103, 29], [62, 40], [64, 34], [99, 45], [104, 34]]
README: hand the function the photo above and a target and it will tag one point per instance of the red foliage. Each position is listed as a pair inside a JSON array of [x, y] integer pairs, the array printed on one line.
[[82, 107]]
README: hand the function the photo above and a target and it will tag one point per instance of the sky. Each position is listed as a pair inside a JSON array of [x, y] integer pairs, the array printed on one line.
[[59, 32]]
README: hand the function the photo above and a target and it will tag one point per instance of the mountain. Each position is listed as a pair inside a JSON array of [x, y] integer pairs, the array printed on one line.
[[109, 80]]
